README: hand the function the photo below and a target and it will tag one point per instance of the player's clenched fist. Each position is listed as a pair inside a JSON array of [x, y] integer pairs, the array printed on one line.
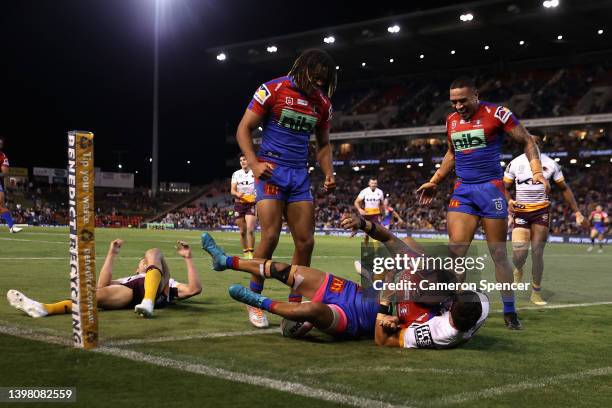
[[351, 222], [329, 184], [183, 249], [115, 246]]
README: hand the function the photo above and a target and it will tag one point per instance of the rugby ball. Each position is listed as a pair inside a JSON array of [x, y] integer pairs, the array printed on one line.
[[295, 330]]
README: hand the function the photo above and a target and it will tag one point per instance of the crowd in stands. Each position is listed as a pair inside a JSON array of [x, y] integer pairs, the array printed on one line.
[[539, 93]]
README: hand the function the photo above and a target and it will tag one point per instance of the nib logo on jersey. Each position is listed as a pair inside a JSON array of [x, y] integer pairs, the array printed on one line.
[[468, 139], [297, 121]]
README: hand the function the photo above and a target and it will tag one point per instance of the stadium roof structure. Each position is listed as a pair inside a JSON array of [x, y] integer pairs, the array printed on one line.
[[443, 38]]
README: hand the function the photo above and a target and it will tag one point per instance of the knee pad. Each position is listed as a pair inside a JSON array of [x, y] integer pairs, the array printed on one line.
[[281, 274]]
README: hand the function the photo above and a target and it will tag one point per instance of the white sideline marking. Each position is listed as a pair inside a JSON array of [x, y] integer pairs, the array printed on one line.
[[259, 381], [34, 240], [194, 336], [314, 371], [522, 386]]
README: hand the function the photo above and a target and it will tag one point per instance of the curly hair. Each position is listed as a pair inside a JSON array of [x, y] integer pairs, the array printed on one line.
[[307, 62]]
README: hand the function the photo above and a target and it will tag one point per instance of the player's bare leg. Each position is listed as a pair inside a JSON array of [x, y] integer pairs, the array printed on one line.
[[251, 224], [461, 229], [521, 238], [300, 219], [270, 213], [114, 297], [539, 235], [496, 232]]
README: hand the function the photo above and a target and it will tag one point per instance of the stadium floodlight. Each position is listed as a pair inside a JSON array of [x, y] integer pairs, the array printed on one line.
[[422, 56], [559, 37], [453, 52], [409, 166], [391, 60], [521, 42], [600, 31], [486, 47], [502, 163], [437, 165], [421, 164], [557, 159], [355, 168], [466, 17], [587, 165], [573, 161], [337, 67], [260, 129], [188, 161], [329, 40], [272, 48], [119, 166], [221, 57], [136, 172], [394, 29], [550, 3], [363, 64], [150, 160]]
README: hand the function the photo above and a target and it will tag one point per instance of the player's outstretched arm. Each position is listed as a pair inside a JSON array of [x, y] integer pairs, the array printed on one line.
[[428, 190], [569, 198], [193, 286], [106, 273], [355, 223], [244, 136], [520, 134]]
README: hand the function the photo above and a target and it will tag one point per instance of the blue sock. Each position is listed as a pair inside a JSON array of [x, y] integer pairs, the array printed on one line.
[[508, 304], [266, 304], [6, 216], [256, 287]]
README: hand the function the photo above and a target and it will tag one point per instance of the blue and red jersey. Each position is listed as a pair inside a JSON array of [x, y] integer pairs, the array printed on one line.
[[290, 118], [598, 218], [477, 142]]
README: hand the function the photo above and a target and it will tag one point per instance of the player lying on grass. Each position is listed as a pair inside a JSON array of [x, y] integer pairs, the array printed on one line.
[[343, 309], [150, 287]]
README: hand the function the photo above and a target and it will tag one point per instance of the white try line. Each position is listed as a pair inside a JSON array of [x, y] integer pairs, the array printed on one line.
[[522, 386], [202, 369], [34, 240], [193, 336]]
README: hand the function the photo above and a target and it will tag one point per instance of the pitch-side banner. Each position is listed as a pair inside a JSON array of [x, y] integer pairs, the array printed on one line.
[[81, 217]]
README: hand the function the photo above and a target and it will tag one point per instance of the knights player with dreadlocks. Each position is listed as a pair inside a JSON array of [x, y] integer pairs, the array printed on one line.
[[289, 109]]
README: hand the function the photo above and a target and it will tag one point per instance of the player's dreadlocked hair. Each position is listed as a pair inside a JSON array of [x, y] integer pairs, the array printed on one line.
[[466, 310], [304, 67]]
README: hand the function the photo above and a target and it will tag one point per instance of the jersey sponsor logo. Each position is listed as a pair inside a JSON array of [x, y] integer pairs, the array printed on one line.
[[422, 335], [262, 94], [526, 181], [336, 285], [468, 140], [289, 100], [297, 121], [503, 114], [519, 221]]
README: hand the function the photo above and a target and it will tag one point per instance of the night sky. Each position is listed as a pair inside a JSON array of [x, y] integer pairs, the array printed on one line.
[[84, 64]]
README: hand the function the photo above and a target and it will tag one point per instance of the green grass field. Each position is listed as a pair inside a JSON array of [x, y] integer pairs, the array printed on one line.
[[204, 352]]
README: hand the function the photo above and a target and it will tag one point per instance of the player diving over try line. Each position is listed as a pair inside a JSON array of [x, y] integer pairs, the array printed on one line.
[[341, 308], [151, 286]]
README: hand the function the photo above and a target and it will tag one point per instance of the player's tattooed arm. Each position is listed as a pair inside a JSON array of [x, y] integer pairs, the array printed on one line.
[[356, 223], [244, 137], [428, 190], [325, 159], [106, 273], [520, 134]]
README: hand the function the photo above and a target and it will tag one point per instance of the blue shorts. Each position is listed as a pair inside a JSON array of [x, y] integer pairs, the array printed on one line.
[[358, 314], [486, 200], [601, 229], [286, 184]]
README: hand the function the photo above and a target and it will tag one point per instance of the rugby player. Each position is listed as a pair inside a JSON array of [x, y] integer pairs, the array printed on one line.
[[530, 214], [243, 189], [341, 308], [475, 135], [5, 213], [390, 217], [151, 286], [372, 198], [599, 219], [289, 109]]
